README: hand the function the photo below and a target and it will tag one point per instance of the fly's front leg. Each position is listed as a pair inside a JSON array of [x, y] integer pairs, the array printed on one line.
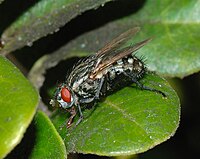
[[73, 114]]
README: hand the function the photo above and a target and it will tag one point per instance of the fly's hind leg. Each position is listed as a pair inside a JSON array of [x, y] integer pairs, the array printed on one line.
[[141, 86]]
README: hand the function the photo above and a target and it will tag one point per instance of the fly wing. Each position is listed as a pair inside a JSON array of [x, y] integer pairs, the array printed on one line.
[[118, 41], [107, 62]]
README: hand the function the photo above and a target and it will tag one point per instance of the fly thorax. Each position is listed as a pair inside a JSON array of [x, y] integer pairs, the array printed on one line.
[[87, 88], [78, 82]]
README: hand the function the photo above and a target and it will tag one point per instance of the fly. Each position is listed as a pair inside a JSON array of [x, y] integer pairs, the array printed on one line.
[[98, 75]]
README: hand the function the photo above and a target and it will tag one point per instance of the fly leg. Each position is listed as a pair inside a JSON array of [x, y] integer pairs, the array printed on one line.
[[80, 113], [68, 123], [73, 114], [141, 86], [97, 95]]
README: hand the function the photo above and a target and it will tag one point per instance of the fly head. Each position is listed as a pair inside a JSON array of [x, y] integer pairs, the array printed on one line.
[[63, 97]]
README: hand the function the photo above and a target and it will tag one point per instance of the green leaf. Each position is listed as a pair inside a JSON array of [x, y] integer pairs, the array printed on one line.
[[174, 54], [44, 18], [174, 27], [48, 143], [18, 102], [129, 121]]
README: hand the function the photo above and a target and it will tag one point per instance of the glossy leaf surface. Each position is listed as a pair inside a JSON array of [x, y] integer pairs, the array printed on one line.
[[18, 102], [48, 143]]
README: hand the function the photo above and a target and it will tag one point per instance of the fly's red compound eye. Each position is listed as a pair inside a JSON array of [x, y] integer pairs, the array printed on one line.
[[66, 95]]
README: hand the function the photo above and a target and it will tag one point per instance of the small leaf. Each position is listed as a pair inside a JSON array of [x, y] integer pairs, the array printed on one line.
[[18, 102], [44, 18], [48, 143], [129, 121]]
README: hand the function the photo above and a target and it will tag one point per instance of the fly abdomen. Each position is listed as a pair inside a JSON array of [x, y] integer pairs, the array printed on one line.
[[124, 71]]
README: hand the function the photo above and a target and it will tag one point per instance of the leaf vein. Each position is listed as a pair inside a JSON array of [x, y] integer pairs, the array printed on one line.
[[127, 116]]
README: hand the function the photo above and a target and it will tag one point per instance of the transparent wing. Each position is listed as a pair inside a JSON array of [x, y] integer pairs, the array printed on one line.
[[116, 42], [108, 61]]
